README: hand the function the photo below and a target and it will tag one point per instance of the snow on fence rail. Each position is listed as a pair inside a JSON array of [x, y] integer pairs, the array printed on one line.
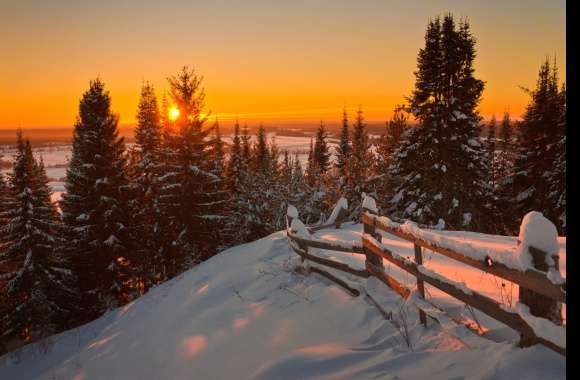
[[533, 266]]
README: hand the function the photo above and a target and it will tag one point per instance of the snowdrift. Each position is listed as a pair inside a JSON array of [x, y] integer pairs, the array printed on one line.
[[248, 313]]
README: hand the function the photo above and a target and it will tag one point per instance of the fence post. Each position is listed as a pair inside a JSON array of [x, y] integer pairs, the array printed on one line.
[[420, 284], [369, 206], [533, 223]]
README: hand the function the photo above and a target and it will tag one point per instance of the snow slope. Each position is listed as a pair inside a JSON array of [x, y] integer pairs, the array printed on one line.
[[247, 313]]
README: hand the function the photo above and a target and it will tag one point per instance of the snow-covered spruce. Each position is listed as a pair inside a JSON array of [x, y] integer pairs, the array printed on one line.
[[95, 208], [443, 155], [35, 283], [539, 179]]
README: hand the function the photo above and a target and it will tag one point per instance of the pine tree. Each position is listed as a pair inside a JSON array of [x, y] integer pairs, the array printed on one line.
[[35, 284], [145, 175], [442, 164], [191, 196], [95, 209], [539, 173]]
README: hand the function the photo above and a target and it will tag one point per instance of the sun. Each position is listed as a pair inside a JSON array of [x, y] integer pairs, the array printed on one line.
[[173, 113]]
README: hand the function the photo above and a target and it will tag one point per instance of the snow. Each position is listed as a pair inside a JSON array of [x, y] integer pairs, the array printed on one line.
[[542, 327], [299, 229], [342, 204], [369, 203], [525, 194], [247, 313], [505, 256], [292, 212], [466, 218], [410, 208], [538, 232], [437, 276]]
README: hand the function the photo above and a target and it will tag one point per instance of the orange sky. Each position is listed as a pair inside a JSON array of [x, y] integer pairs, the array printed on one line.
[[275, 62]]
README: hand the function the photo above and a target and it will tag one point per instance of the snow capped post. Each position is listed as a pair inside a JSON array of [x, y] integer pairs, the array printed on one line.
[[369, 205], [291, 214], [339, 213], [538, 248]]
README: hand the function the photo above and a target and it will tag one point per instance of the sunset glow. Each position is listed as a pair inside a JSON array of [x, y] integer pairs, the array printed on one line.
[[173, 113], [259, 63]]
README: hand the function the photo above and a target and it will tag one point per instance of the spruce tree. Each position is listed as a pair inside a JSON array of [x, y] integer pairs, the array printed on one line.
[[297, 184], [95, 208], [235, 182], [262, 195], [441, 163], [261, 153], [246, 146], [286, 169], [505, 156], [311, 165], [491, 150], [4, 197], [387, 144], [506, 132], [343, 148], [233, 171], [145, 184], [321, 153], [557, 177], [37, 299], [191, 196], [539, 173], [359, 164], [217, 151]]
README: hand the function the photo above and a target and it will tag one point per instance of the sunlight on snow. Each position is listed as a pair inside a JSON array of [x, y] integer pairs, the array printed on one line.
[[193, 346]]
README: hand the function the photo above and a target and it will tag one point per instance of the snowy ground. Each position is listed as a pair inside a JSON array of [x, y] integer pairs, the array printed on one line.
[[248, 314]]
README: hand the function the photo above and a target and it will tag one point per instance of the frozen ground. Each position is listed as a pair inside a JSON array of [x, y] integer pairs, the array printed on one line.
[[247, 313]]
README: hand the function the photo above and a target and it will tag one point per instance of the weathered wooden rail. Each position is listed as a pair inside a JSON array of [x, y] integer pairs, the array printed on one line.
[[537, 291]]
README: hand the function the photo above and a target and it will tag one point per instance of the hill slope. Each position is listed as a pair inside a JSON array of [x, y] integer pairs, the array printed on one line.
[[248, 314]]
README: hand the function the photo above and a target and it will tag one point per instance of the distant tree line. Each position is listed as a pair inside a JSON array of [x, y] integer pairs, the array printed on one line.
[[134, 218]]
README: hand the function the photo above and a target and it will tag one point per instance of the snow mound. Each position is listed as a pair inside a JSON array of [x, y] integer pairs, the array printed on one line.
[[249, 313], [299, 229]]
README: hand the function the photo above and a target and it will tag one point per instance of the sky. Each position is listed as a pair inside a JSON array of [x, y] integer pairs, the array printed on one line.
[[275, 62]]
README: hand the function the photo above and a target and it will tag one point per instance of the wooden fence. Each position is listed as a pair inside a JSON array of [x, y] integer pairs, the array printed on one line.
[[537, 291]]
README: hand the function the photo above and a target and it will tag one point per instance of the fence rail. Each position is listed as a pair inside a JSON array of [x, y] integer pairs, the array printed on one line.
[[533, 281]]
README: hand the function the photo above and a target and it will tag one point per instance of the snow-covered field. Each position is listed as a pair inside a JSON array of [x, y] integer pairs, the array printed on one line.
[[56, 157], [247, 313]]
